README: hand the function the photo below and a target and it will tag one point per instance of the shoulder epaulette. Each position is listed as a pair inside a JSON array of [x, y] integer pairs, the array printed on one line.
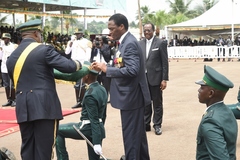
[[209, 114], [90, 91]]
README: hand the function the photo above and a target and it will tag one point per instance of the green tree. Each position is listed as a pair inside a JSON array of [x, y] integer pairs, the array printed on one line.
[[46, 29], [3, 19], [206, 5], [178, 6], [69, 21], [144, 11], [179, 17], [159, 19], [32, 17], [133, 24], [96, 27], [142, 15], [56, 21]]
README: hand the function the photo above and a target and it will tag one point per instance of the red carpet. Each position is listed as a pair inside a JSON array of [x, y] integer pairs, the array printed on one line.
[[8, 123]]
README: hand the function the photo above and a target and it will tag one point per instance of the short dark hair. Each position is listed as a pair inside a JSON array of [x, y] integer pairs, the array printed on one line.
[[153, 27], [119, 19]]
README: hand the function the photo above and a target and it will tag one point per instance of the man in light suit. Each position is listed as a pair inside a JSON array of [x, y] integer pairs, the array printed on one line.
[[156, 58], [128, 91]]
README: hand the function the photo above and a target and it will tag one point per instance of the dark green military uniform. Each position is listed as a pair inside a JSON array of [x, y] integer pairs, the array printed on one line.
[[236, 107], [91, 125], [217, 134], [218, 129]]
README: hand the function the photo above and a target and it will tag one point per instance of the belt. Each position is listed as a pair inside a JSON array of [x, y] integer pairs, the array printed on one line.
[[87, 122]]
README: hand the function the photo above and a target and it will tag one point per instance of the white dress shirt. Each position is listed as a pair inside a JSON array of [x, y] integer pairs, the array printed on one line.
[[148, 45]]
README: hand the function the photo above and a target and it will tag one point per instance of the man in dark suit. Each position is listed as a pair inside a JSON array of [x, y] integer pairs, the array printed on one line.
[[218, 129], [38, 108], [128, 91], [156, 58], [92, 120]]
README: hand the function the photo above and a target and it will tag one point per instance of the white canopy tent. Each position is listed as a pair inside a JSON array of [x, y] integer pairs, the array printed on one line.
[[222, 18]]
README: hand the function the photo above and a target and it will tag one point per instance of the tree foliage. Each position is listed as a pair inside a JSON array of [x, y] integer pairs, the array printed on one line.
[[205, 6], [3, 19]]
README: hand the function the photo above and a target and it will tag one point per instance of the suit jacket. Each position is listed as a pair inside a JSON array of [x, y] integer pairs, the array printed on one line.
[[36, 95], [217, 134], [129, 89], [94, 106], [157, 61]]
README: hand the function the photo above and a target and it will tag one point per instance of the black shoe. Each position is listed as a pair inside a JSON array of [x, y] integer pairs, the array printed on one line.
[[9, 103], [13, 104], [78, 105], [158, 131], [123, 157], [7, 154], [148, 128]]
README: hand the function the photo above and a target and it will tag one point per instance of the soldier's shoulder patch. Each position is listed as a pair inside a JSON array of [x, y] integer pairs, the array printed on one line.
[[90, 91], [210, 113]]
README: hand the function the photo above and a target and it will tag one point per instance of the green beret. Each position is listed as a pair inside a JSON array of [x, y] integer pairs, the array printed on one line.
[[215, 79], [88, 64], [35, 24]]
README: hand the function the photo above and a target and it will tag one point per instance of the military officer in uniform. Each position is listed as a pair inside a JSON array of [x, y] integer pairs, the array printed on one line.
[[92, 117], [218, 129], [38, 108]]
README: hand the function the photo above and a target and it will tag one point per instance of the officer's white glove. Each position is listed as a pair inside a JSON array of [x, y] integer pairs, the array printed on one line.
[[97, 149], [73, 38]]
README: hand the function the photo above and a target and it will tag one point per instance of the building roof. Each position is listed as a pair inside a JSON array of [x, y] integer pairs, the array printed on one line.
[[61, 5]]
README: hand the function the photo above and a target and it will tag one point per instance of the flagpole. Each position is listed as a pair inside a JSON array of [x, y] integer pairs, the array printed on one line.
[[233, 20]]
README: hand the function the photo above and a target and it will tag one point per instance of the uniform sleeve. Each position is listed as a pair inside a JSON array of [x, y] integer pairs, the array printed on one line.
[[61, 63]]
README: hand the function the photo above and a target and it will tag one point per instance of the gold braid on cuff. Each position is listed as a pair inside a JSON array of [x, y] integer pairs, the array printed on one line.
[[78, 64]]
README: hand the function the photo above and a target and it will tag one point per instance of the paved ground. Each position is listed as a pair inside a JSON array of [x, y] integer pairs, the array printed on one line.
[[182, 114]]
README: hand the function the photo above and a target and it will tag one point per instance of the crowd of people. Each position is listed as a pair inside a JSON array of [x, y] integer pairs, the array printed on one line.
[[187, 41], [134, 72]]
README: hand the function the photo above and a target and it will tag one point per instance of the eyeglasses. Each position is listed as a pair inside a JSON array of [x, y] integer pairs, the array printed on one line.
[[147, 30]]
